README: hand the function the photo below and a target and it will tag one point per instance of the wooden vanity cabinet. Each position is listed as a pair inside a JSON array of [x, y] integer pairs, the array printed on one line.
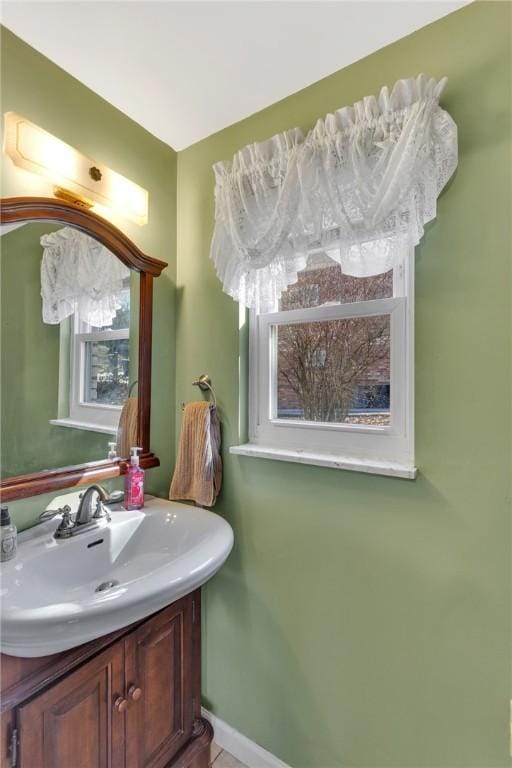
[[158, 671], [73, 723], [130, 700]]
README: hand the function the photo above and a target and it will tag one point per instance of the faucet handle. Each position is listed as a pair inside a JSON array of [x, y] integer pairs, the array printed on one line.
[[101, 511], [48, 514], [116, 497], [67, 522]]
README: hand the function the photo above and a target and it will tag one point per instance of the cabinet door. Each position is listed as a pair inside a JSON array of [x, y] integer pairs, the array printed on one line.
[[77, 723], [159, 687]]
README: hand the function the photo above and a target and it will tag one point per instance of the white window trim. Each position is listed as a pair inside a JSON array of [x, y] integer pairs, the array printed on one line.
[[376, 450], [99, 417], [83, 425]]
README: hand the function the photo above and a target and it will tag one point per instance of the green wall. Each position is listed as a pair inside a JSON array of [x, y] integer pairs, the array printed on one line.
[[37, 89], [363, 620]]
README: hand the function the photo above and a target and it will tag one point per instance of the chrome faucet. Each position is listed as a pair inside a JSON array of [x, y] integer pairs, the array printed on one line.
[[87, 516]]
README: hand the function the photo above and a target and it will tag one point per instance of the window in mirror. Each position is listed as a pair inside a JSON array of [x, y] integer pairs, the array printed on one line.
[[100, 364], [105, 372]]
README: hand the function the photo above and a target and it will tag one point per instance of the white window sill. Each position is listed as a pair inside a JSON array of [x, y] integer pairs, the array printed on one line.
[[369, 466], [74, 424]]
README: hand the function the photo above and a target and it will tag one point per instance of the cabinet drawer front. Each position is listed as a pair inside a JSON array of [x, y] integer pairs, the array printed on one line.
[[74, 723], [158, 668]]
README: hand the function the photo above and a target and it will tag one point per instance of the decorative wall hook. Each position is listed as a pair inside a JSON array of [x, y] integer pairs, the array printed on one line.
[[205, 384]]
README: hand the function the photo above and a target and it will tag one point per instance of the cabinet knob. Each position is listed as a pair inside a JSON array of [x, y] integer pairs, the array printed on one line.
[[134, 692], [120, 704]]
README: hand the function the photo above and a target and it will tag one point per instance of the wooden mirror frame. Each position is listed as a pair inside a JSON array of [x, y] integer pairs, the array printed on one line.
[[25, 209]]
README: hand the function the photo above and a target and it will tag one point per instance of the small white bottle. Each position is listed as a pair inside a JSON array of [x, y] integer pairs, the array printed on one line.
[[112, 452], [8, 536]]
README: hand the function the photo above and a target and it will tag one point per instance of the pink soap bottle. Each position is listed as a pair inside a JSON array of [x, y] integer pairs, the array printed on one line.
[[134, 483]]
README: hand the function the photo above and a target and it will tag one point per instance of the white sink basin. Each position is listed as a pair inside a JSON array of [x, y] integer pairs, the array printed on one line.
[[153, 556]]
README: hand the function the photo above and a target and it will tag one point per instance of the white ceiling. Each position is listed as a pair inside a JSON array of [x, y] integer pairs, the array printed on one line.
[[185, 70]]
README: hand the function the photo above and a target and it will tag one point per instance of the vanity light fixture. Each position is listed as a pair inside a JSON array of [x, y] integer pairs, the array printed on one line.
[[77, 178]]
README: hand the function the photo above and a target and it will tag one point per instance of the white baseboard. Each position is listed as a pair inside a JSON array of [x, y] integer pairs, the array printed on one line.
[[245, 750]]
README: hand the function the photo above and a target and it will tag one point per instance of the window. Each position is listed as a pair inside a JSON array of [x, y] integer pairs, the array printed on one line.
[[331, 371], [100, 361]]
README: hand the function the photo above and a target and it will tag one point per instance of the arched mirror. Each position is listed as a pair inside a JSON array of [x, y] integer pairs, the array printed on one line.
[[76, 320]]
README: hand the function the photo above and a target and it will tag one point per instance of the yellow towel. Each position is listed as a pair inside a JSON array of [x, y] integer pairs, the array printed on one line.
[[127, 427], [198, 472]]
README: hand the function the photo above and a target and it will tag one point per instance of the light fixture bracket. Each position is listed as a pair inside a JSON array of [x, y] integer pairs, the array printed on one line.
[[72, 197]]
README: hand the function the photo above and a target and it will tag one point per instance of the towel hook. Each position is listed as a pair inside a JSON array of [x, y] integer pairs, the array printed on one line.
[[205, 383]]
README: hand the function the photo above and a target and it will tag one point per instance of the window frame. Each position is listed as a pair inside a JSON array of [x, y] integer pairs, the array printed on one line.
[[104, 417], [357, 444]]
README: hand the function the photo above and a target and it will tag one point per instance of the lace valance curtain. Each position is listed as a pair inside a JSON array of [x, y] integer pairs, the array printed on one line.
[[77, 272], [360, 186]]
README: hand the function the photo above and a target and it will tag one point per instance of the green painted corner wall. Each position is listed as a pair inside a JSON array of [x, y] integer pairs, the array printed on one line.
[[364, 621], [37, 89]]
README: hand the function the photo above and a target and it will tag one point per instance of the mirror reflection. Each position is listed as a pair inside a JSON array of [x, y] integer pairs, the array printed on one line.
[[69, 326]]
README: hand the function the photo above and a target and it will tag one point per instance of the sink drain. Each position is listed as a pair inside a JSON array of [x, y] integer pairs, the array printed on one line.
[[106, 585]]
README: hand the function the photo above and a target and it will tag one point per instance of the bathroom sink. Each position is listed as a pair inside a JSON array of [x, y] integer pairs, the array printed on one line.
[[58, 594]]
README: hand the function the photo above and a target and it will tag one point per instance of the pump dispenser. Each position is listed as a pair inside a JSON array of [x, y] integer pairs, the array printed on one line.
[[134, 482]]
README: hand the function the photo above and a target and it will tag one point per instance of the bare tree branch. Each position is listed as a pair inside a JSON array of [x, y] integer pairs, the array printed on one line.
[[323, 363]]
